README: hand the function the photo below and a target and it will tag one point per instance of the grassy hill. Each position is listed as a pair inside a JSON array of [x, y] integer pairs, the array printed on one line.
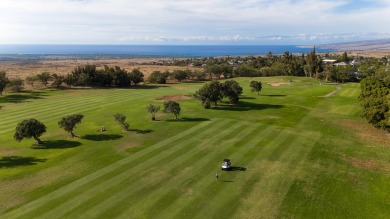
[[295, 153]]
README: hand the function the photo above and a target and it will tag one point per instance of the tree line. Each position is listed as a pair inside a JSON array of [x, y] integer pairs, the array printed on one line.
[[375, 100], [87, 75], [288, 64]]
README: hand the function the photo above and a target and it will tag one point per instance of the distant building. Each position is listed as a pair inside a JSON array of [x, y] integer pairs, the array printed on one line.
[[340, 64], [329, 61]]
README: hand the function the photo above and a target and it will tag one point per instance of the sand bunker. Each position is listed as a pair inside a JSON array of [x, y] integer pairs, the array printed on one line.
[[277, 84]]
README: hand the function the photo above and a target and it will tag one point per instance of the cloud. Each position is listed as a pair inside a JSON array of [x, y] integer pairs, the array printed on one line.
[[119, 21]]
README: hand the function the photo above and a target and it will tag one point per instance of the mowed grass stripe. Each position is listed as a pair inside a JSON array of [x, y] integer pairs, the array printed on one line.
[[82, 107], [350, 92], [197, 203], [68, 203], [158, 176], [87, 179], [213, 189], [180, 172], [50, 103], [275, 177], [53, 101], [79, 105], [197, 173], [226, 202]]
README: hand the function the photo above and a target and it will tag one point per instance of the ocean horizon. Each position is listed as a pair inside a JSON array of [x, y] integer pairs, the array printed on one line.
[[153, 50]]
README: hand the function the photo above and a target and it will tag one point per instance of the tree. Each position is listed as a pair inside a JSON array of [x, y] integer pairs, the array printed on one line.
[[244, 70], [69, 80], [57, 80], [44, 77], [180, 75], [375, 100], [121, 119], [136, 76], [69, 123], [210, 92], [219, 70], [256, 86], [3, 82], [16, 84], [313, 64], [153, 110], [344, 57], [30, 128], [344, 73], [30, 80], [84, 75], [158, 77], [232, 90], [172, 107]]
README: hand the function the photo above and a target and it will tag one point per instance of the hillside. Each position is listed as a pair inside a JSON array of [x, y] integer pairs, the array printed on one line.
[[370, 45]]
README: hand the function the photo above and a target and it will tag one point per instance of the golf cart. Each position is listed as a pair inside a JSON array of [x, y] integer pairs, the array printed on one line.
[[226, 165]]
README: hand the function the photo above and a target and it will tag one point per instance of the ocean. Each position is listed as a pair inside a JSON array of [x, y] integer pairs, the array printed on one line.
[[153, 50]]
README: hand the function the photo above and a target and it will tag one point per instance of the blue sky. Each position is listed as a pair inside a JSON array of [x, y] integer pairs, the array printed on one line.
[[176, 22]]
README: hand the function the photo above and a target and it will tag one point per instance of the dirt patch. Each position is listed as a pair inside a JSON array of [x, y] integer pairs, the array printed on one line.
[[371, 165], [338, 88], [174, 97], [367, 133], [277, 84], [125, 145]]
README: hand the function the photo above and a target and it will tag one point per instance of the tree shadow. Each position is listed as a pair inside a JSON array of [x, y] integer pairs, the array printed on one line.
[[14, 161], [233, 168], [102, 137], [57, 144], [246, 98], [143, 87], [274, 95], [226, 181], [246, 106], [19, 98], [186, 119], [139, 131]]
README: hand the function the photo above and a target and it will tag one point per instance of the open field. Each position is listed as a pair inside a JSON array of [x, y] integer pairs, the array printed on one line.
[[295, 153], [23, 69]]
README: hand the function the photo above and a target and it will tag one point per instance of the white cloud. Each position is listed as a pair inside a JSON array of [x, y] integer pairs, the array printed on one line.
[[119, 21]]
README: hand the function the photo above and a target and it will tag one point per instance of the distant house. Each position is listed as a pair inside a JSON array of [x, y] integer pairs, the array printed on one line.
[[329, 61], [340, 64]]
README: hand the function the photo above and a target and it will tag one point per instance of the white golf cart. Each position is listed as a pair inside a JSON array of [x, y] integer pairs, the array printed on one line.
[[226, 165]]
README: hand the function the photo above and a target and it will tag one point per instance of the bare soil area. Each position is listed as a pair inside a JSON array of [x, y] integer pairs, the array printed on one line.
[[277, 84], [174, 97]]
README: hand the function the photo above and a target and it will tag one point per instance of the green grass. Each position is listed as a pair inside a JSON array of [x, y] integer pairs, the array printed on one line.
[[292, 157]]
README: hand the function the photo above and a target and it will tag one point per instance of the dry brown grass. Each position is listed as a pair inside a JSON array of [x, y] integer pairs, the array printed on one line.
[[368, 164], [367, 133], [23, 69], [174, 97], [371, 135]]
